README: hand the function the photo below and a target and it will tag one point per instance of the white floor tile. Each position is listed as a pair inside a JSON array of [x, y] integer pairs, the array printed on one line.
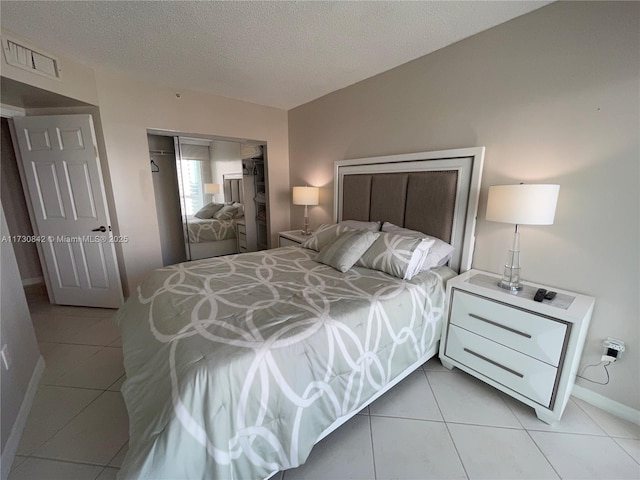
[[94, 436], [41, 469], [574, 420], [117, 385], [108, 473], [52, 409], [345, 454], [364, 411], [413, 449], [55, 327], [614, 426], [104, 332], [60, 359], [411, 398], [117, 460], [631, 446], [100, 370], [17, 461], [499, 453], [434, 365], [586, 456], [464, 399]]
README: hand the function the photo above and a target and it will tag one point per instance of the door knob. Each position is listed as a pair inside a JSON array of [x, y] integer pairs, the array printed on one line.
[[102, 228]]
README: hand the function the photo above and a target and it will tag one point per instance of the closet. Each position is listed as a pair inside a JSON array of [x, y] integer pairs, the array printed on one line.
[[193, 174]]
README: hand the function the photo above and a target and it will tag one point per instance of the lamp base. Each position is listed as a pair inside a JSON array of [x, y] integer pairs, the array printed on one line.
[[512, 287], [511, 276]]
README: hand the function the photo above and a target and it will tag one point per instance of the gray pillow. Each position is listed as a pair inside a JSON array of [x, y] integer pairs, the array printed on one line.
[[324, 234], [439, 253], [397, 255], [358, 225], [344, 251], [208, 210], [226, 213]]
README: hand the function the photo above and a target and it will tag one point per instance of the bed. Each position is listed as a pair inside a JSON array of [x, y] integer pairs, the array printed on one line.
[[236, 366], [211, 237]]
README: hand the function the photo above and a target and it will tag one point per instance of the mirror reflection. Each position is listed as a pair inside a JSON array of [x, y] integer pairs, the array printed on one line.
[[210, 196]]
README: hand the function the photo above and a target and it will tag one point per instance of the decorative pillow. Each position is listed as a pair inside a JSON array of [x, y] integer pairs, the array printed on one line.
[[344, 251], [439, 253], [240, 212], [397, 255], [324, 234], [358, 225], [226, 213], [208, 210]]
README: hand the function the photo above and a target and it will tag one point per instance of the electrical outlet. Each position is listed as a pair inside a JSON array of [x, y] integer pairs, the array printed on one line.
[[6, 356], [613, 348]]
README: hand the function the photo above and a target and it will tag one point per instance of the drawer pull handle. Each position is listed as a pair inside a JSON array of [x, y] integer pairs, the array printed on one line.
[[493, 362], [496, 324]]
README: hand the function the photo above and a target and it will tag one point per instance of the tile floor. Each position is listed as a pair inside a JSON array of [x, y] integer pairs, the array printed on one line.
[[435, 424]]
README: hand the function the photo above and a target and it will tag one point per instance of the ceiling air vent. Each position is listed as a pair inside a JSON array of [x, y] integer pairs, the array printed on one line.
[[30, 60]]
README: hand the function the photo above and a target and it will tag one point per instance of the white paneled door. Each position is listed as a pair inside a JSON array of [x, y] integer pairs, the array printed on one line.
[[63, 179]]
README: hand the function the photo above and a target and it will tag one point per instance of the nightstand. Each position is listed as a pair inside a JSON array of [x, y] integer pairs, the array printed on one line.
[[292, 237], [527, 349], [241, 234]]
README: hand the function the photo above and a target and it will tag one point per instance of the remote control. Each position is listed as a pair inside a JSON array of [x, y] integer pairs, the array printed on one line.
[[539, 296], [550, 295]]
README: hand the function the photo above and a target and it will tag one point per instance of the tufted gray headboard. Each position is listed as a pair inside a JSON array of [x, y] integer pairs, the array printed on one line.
[[432, 192]]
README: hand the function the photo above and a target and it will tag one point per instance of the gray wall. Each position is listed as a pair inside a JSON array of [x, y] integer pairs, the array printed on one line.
[[17, 334], [553, 95]]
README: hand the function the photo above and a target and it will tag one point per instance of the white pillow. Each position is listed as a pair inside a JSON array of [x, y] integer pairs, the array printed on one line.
[[438, 254]]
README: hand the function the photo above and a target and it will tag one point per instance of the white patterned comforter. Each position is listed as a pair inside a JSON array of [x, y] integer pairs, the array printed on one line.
[[210, 229], [236, 365]]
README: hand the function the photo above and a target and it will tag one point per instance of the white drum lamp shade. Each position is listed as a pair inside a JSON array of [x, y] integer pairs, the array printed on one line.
[[306, 196], [520, 205], [523, 204], [211, 188]]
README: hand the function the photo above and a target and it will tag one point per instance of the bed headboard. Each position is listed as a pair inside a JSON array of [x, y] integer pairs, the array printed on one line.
[[232, 187], [432, 192]]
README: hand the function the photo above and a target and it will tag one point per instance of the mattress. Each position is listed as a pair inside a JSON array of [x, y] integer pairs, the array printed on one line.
[[237, 365]]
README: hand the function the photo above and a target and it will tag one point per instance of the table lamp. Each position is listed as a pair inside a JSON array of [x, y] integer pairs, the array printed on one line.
[[305, 196], [520, 205], [212, 189]]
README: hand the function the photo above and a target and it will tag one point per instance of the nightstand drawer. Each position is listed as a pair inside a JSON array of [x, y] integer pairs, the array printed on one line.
[[520, 373], [532, 334], [242, 239], [242, 229]]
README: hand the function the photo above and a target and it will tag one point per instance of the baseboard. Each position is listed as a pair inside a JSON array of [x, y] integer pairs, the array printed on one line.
[[610, 406], [32, 281], [11, 447]]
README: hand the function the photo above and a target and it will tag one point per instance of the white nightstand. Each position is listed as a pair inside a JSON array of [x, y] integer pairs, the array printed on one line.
[[292, 237], [241, 234], [527, 349]]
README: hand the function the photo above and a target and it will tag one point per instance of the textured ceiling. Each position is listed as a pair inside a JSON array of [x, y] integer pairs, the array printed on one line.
[[275, 53]]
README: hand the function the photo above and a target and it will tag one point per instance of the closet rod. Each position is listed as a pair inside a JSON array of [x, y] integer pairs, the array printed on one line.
[[161, 152]]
